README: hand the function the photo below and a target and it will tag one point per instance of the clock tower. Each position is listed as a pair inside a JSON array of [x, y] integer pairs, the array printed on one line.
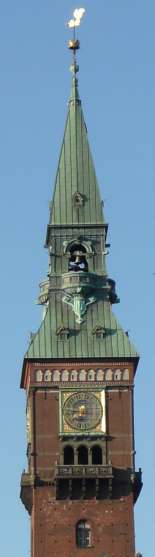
[[81, 485]]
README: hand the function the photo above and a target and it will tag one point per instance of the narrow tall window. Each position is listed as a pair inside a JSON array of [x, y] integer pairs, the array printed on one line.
[[82, 455], [83, 534], [68, 455], [96, 455]]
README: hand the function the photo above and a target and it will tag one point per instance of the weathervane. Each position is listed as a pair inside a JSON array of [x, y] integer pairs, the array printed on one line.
[[74, 43]]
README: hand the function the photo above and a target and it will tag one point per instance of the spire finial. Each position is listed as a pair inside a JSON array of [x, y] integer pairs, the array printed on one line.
[[74, 43]]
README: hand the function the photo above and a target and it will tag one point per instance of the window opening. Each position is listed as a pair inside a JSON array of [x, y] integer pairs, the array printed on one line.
[[68, 455], [83, 534], [77, 261], [78, 200], [96, 455], [99, 332], [63, 333], [82, 455]]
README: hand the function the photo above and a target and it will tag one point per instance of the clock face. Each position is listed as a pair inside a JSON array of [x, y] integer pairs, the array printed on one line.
[[83, 411]]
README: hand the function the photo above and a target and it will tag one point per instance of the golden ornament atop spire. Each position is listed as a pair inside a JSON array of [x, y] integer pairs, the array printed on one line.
[[74, 43]]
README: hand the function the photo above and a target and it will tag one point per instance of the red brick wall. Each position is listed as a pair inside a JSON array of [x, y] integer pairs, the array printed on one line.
[[54, 526], [46, 430], [120, 428], [54, 521]]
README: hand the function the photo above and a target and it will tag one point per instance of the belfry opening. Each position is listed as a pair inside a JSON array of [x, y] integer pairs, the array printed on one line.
[[78, 261]]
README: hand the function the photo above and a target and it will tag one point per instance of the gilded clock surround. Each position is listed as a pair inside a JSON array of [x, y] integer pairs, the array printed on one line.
[[82, 412]]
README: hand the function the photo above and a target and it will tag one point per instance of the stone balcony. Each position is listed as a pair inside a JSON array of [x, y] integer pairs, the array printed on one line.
[[81, 471], [27, 482], [84, 280], [26, 479], [44, 292], [86, 283], [73, 282], [90, 481]]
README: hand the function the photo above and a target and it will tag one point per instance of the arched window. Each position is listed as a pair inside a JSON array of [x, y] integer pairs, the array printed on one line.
[[77, 261], [82, 455], [96, 455], [83, 534], [68, 455]]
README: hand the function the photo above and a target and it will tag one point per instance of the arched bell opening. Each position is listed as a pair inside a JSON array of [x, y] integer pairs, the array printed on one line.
[[77, 261], [82, 455], [96, 455], [68, 455]]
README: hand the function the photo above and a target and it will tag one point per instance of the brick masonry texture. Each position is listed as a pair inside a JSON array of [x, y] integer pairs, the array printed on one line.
[[54, 526], [119, 426], [54, 521]]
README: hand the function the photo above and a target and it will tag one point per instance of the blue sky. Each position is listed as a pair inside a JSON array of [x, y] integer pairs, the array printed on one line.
[[117, 87]]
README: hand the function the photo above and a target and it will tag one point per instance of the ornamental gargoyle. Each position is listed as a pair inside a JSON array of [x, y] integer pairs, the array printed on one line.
[[79, 304]]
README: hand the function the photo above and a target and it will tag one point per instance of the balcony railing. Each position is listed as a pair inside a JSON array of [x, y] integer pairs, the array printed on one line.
[[26, 479], [83, 471], [44, 292], [86, 280], [27, 483]]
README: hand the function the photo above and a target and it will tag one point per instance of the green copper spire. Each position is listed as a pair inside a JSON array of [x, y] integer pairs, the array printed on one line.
[[84, 342], [78, 294], [74, 91], [76, 196]]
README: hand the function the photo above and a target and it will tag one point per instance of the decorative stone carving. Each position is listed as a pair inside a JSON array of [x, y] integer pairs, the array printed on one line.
[[117, 375], [78, 200], [87, 244], [28, 424], [56, 375], [126, 376], [108, 375], [100, 375], [73, 376], [91, 375], [79, 304], [39, 375], [82, 375], [65, 375], [48, 375]]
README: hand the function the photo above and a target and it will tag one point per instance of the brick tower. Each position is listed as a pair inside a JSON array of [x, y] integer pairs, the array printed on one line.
[[78, 373]]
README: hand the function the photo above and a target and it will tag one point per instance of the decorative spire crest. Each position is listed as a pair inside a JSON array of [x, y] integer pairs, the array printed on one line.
[[74, 43]]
